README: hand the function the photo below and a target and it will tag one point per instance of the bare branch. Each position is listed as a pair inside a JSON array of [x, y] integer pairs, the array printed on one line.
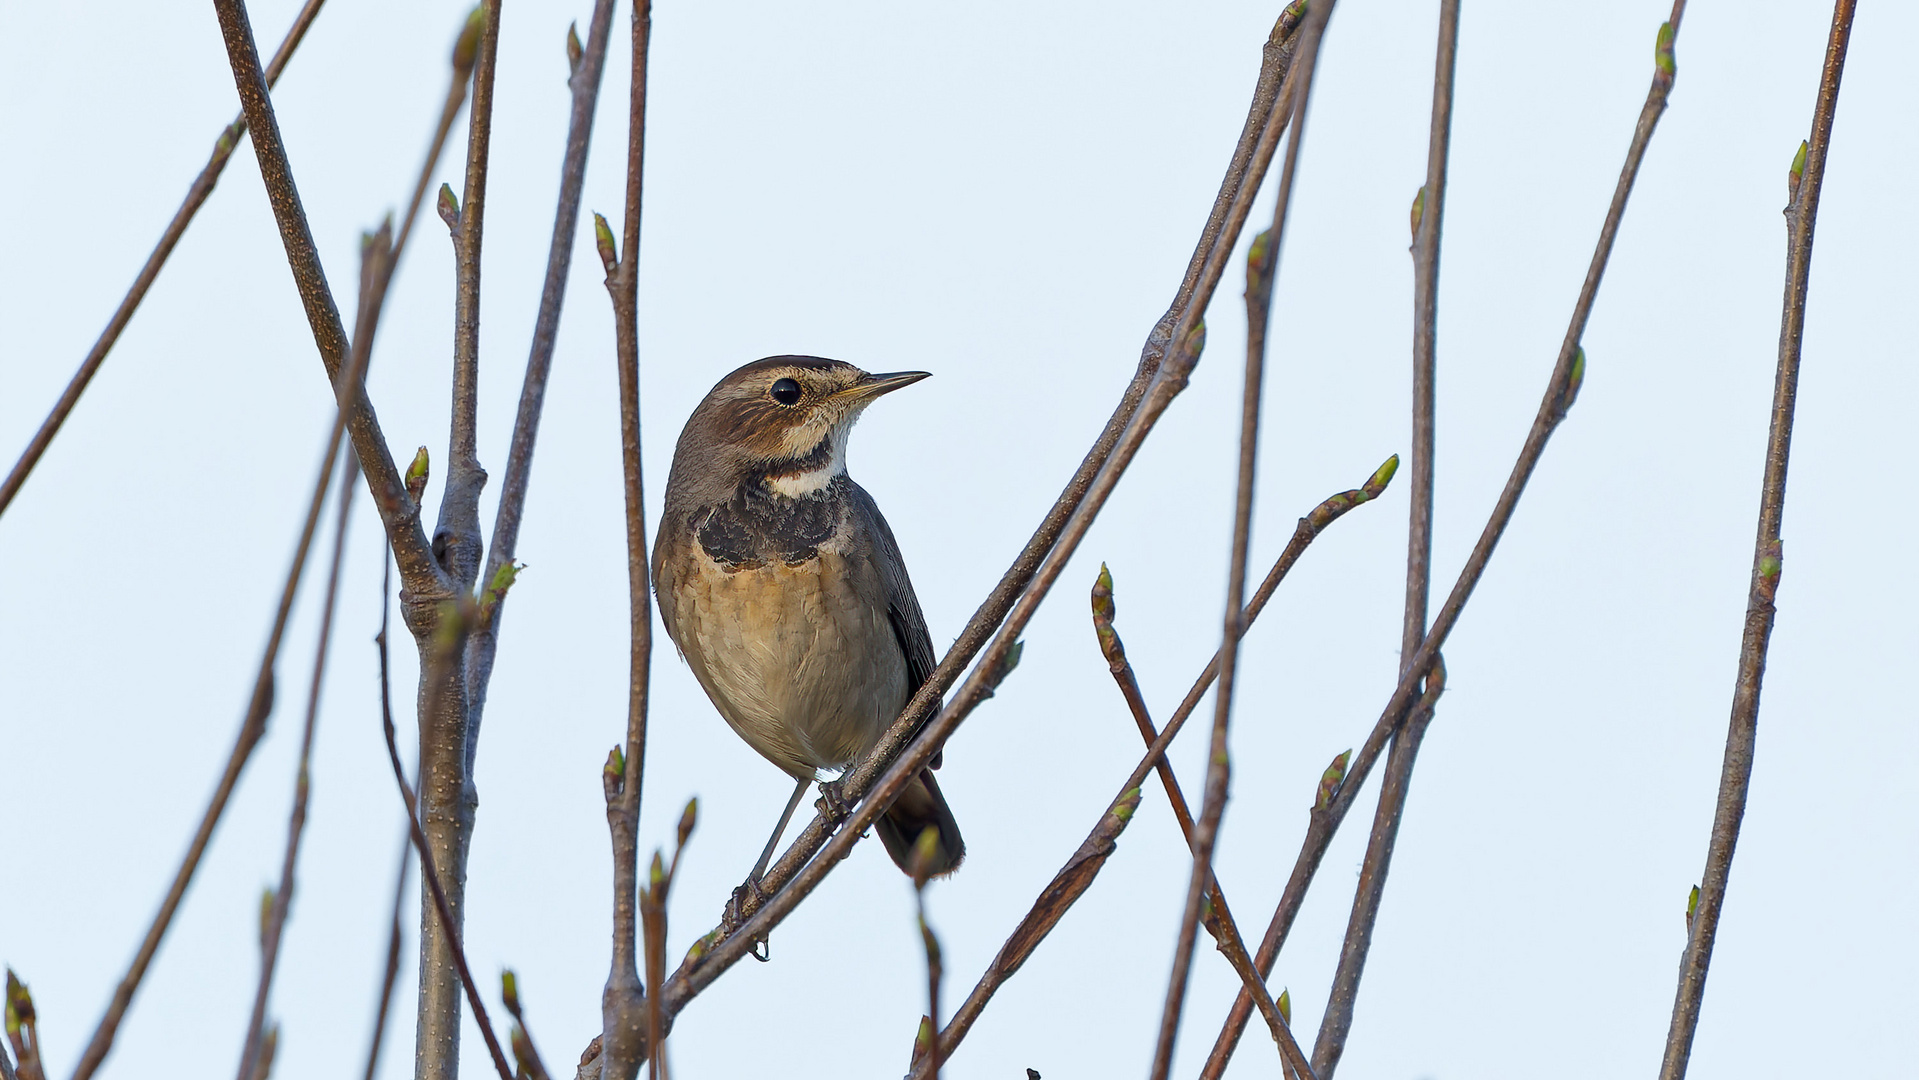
[[1429, 213], [419, 571], [1216, 916], [252, 1060], [1078, 873], [349, 387], [585, 82], [1562, 388], [447, 647], [1263, 261], [631, 1021], [1805, 179], [197, 194]]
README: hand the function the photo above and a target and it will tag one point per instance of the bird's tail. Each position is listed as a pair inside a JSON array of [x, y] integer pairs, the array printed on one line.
[[919, 806]]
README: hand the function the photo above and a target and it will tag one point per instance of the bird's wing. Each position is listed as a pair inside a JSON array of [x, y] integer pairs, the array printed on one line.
[[902, 607]]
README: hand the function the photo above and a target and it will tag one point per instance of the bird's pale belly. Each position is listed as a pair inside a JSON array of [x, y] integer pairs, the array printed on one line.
[[800, 668]]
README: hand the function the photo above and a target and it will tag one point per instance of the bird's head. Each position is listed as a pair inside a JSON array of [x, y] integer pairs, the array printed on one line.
[[784, 419]]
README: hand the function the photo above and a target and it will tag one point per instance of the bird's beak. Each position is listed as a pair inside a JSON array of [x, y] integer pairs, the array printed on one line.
[[872, 386]]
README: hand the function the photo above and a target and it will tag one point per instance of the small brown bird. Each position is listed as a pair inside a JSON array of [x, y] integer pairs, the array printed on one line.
[[784, 589]]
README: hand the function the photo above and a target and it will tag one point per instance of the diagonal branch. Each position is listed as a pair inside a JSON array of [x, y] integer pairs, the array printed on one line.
[[1073, 879], [1805, 179], [1262, 268], [585, 82], [1562, 388], [197, 194], [1429, 210], [349, 384], [1216, 916], [419, 572]]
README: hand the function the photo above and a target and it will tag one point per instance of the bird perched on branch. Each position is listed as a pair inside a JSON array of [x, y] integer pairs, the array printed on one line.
[[784, 589]]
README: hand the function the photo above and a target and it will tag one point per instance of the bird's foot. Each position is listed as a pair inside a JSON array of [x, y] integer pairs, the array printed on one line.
[[831, 802]]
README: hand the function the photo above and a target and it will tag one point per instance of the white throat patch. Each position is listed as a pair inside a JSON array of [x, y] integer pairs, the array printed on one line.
[[798, 485]]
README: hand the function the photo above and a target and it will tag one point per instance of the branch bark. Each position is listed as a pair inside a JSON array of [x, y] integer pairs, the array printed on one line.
[[631, 1021], [1429, 214], [1262, 265], [197, 194], [1805, 179], [1562, 388]]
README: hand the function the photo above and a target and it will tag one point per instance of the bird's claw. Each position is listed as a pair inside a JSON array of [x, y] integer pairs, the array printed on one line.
[[831, 802]]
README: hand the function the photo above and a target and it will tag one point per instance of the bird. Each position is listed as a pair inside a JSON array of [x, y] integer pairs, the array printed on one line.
[[784, 589]]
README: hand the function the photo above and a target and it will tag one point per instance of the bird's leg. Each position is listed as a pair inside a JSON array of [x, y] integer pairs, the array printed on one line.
[[736, 912], [792, 804]]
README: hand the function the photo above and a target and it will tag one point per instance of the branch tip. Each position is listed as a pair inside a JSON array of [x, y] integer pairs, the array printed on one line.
[[1375, 485], [603, 240], [688, 818], [510, 991]]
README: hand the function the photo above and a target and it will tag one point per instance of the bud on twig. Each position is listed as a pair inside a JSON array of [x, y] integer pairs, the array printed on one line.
[[1662, 55], [688, 818], [603, 240], [503, 579], [1692, 908], [573, 50], [466, 48], [449, 207], [922, 1041], [1285, 1004], [1796, 173], [1109, 643], [510, 991], [1330, 780], [1419, 210], [1005, 667], [613, 775], [1769, 566], [266, 913], [416, 477], [1375, 485], [1257, 283]]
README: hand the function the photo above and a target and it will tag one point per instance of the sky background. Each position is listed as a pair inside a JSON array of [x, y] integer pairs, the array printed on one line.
[[1004, 195]]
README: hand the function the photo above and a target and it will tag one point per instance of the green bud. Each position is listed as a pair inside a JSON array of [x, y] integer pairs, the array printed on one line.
[[603, 239], [1125, 806], [1330, 780], [466, 49], [688, 818], [1419, 209], [1692, 907], [1375, 485], [615, 763], [449, 206], [1797, 172], [416, 475], [1285, 1004], [656, 873], [1662, 53], [510, 990]]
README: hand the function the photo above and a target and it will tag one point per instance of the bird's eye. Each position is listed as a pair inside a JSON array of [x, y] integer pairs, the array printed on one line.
[[786, 392]]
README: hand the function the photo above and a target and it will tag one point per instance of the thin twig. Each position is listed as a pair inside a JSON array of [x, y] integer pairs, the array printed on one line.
[[275, 928], [452, 629], [525, 1054], [585, 83], [1429, 213], [1176, 330], [1216, 916], [197, 194], [1805, 178], [630, 1017], [349, 384], [1562, 388], [466, 50], [1078, 873], [1262, 266]]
